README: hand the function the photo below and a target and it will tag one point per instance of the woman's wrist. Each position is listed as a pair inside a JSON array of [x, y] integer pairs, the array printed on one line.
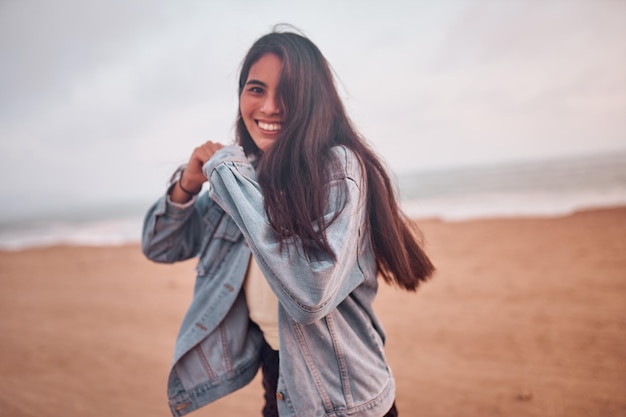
[[190, 191], [179, 190]]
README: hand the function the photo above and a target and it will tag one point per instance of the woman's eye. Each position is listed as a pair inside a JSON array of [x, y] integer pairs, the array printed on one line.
[[256, 90]]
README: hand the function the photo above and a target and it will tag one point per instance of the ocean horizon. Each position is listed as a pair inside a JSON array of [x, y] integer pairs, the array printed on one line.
[[547, 188]]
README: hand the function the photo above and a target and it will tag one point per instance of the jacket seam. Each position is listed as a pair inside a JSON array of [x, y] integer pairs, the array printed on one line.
[[341, 362], [308, 359]]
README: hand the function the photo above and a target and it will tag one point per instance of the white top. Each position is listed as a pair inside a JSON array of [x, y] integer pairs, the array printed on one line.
[[262, 303]]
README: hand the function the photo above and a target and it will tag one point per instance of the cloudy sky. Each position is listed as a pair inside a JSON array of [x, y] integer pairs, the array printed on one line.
[[100, 100]]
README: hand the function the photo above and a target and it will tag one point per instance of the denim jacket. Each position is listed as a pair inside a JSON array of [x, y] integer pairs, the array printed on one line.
[[331, 343]]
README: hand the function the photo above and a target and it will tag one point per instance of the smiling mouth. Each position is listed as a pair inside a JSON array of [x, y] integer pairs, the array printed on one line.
[[270, 127]]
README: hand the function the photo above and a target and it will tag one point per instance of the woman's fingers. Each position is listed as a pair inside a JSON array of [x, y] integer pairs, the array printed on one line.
[[207, 149], [193, 174]]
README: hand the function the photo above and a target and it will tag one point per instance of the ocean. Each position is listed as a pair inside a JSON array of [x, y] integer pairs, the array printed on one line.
[[528, 189], [554, 187]]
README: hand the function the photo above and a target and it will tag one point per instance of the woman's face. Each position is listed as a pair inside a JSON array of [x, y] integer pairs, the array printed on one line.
[[259, 103]]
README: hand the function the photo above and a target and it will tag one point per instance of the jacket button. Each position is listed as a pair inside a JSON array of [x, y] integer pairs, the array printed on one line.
[[280, 396]]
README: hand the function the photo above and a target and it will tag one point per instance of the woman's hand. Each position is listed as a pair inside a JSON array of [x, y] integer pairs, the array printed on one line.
[[193, 177]]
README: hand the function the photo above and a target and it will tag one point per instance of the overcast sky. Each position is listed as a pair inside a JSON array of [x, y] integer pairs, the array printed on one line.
[[99, 101]]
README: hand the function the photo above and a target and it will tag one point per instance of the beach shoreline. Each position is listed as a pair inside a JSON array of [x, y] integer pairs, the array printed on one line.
[[525, 317]]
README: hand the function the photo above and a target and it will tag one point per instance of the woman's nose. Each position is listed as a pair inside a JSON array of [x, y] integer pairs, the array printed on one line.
[[270, 105]]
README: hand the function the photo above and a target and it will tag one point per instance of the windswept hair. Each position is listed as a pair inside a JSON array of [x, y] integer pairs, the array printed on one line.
[[293, 172]]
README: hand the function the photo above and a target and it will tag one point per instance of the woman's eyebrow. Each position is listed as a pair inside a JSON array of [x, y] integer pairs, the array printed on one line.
[[256, 82]]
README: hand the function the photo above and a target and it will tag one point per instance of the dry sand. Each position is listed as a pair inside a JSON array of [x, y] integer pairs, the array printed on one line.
[[526, 317]]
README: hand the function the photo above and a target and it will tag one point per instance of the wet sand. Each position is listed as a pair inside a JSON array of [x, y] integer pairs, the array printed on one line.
[[526, 317]]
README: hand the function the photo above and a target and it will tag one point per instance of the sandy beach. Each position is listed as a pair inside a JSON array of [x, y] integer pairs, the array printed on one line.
[[525, 317]]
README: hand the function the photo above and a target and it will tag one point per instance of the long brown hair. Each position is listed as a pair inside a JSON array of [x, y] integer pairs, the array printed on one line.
[[293, 172]]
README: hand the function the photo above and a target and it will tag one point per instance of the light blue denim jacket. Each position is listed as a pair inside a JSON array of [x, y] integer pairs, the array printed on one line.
[[331, 360]]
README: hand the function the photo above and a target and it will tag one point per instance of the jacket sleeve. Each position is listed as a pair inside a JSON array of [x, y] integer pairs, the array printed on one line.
[[174, 232], [308, 287]]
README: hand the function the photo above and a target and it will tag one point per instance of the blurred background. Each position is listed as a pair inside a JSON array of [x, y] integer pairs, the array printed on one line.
[[499, 117], [479, 108]]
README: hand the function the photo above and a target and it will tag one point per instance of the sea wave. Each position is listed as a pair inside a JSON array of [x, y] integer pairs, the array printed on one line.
[[109, 232], [116, 232], [533, 189], [455, 208]]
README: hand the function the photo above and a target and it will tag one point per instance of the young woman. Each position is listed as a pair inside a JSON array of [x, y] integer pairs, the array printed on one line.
[[299, 220]]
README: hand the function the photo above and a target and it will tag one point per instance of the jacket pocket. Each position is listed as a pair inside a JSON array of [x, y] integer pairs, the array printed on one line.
[[217, 245]]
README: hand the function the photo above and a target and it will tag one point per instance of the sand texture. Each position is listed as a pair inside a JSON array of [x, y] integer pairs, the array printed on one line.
[[526, 317]]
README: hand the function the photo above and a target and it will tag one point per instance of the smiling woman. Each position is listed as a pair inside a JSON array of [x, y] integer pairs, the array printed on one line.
[[299, 222], [259, 102]]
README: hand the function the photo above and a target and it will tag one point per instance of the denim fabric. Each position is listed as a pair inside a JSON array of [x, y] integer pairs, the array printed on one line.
[[393, 412], [331, 361], [270, 366]]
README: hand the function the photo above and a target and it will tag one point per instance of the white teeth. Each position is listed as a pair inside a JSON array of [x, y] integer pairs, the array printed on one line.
[[272, 127]]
